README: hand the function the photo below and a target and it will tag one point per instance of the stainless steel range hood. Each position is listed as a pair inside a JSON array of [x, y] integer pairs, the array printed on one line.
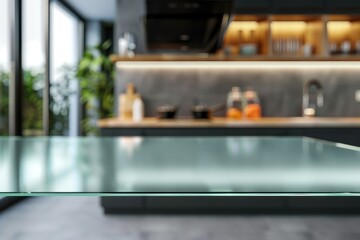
[[186, 26]]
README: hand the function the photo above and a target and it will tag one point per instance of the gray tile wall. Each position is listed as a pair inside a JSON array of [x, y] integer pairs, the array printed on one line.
[[280, 90]]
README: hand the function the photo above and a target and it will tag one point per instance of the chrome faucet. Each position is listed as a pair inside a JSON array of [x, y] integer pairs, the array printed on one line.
[[309, 108]]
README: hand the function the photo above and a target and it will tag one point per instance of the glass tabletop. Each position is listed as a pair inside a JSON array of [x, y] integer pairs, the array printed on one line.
[[241, 166]]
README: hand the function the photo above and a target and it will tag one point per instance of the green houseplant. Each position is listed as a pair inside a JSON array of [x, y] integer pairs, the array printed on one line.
[[96, 75], [60, 93], [32, 104], [33, 85], [4, 102]]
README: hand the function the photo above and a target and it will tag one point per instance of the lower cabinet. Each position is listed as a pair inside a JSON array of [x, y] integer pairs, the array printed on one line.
[[346, 135]]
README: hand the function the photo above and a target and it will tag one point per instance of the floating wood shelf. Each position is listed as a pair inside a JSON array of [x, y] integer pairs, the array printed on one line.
[[226, 123], [211, 58]]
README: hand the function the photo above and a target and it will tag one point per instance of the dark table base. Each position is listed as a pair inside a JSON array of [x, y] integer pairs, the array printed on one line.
[[346, 135], [7, 202], [231, 205]]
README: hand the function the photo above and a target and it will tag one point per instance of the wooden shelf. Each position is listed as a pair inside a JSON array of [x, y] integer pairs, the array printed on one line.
[[211, 58], [227, 123]]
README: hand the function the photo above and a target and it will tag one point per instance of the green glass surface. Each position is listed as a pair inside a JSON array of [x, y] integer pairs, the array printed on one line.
[[177, 166]]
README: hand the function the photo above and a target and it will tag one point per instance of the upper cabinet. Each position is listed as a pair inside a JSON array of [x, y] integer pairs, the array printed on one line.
[[303, 6], [252, 7], [342, 6], [300, 6], [293, 35]]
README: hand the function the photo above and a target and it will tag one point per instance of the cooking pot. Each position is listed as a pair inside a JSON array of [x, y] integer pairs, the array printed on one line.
[[204, 111], [167, 111]]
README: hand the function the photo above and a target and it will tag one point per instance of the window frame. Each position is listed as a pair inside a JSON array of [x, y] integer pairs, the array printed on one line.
[[16, 70]]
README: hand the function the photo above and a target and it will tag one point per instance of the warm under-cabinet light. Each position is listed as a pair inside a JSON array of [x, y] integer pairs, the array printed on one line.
[[243, 25], [257, 65], [338, 29], [288, 28], [339, 25], [240, 31]]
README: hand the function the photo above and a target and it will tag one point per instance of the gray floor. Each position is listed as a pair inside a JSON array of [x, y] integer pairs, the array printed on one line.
[[65, 218]]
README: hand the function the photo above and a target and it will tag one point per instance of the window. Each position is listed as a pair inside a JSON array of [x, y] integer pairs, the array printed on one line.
[[33, 66], [4, 67], [5, 167], [65, 53]]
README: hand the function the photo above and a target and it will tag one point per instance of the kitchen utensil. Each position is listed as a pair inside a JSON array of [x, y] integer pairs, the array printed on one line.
[[127, 44], [126, 102], [248, 49], [167, 111], [333, 48], [307, 50], [357, 46], [346, 47], [204, 111]]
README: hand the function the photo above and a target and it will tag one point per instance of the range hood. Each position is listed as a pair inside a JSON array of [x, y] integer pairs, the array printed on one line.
[[186, 26]]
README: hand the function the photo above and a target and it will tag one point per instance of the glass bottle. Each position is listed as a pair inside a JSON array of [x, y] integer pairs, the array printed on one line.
[[252, 107], [234, 104]]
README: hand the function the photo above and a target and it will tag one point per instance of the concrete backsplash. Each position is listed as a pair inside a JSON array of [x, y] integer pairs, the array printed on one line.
[[280, 90]]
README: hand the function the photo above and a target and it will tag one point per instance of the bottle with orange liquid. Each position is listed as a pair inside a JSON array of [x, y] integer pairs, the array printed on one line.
[[252, 107], [234, 104]]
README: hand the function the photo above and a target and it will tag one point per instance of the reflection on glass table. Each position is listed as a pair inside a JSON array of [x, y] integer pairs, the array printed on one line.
[[178, 166]]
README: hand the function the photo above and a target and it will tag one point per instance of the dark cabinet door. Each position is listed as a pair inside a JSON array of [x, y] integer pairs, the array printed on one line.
[[343, 6], [252, 6], [300, 6]]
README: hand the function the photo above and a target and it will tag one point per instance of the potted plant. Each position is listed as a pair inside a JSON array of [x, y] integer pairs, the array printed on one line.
[[96, 75]]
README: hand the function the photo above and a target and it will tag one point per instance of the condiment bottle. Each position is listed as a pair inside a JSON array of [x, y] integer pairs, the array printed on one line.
[[138, 110], [234, 104], [126, 102], [252, 108]]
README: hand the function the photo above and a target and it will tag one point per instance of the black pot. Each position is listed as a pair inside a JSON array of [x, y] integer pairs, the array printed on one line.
[[201, 112], [167, 111], [205, 112]]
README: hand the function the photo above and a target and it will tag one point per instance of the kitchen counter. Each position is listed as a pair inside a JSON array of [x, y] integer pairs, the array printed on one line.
[[343, 130], [228, 123]]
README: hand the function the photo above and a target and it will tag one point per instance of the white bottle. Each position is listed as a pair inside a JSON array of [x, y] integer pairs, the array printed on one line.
[[138, 110]]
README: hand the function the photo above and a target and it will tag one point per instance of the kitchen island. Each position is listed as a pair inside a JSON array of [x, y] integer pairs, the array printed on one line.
[[343, 130], [189, 174]]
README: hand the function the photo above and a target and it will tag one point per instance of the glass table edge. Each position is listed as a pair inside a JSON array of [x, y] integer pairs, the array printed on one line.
[[18, 138], [325, 142], [35, 194]]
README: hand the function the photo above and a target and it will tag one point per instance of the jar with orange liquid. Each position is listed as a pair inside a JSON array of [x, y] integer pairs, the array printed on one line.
[[234, 104], [252, 107]]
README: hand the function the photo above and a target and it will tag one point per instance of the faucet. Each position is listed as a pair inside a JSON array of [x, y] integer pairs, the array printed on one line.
[[309, 108]]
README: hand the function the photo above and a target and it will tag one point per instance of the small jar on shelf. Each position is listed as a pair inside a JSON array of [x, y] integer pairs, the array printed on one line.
[[357, 47], [252, 107], [234, 104]]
